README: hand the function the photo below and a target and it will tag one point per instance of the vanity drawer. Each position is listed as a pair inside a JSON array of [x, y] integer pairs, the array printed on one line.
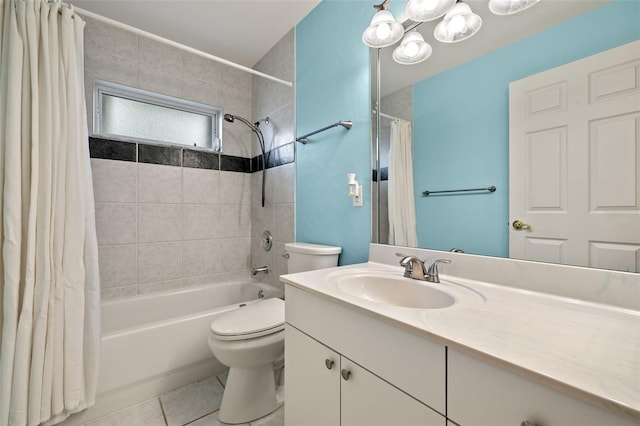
[[408, 361], [480, 394]]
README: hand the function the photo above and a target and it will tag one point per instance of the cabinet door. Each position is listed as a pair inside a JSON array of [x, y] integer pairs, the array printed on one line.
[[312, 385], [368, 400], [480, 394]]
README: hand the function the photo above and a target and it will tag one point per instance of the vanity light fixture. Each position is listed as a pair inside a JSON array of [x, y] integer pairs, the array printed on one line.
[[412, 50], [460, 23], [355, 190], [509, 7], [427, 10], [384, 30]]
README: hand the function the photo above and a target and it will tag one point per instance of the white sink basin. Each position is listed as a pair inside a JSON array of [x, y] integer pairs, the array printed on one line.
[[391, 289], [396, 292]]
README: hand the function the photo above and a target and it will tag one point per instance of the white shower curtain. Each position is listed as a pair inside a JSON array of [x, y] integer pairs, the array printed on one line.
[[402, 210], [49, 292]]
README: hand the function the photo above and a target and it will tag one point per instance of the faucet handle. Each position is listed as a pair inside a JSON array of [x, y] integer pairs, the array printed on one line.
[[403, 255], [433, 269]]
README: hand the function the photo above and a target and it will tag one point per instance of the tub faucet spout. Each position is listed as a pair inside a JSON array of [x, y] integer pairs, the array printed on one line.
[[264, 269]]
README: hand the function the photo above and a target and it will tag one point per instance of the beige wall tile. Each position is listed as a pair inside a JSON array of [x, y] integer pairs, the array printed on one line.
[[201, 258], [159, 286], [283, 219], [118, 292], [116, 223], [114, 181], [118, 265], [235, 255], [200, 186], [235, 188], [159, 184], [159, 262], [235, 221], [159, 222], [201, 221]]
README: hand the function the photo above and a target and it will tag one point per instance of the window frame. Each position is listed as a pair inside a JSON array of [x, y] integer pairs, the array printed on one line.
[[101, 88]]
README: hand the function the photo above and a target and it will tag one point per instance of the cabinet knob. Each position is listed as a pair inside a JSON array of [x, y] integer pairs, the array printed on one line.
[[345, 374], [528, 423], [329, 363]]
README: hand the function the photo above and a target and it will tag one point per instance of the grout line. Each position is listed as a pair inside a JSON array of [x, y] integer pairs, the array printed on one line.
[[201, 417], [220, 381], [164, 415]]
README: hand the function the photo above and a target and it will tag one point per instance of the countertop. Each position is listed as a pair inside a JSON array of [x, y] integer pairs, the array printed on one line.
[[587, 350]]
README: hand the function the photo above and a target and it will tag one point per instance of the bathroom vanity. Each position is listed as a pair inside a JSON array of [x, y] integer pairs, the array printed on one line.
[[357, 353]]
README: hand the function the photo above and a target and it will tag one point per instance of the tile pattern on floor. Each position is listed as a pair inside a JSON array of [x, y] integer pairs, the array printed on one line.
[[196, 404]]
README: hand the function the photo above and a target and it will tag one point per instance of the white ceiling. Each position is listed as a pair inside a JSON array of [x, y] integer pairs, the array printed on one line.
[[241, 31], [496, 32]]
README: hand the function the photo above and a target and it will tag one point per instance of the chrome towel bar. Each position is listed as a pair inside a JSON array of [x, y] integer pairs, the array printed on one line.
[[344, 123], [490, 189]]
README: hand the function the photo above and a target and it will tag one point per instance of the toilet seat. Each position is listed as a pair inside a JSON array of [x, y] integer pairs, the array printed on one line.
[[259, 319]]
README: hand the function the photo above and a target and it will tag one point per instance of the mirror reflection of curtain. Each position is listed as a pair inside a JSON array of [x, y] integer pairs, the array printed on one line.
[[402, 211]]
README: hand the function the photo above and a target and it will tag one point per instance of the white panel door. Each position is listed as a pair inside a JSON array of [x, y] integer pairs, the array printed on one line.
[[574, 162], [312, 381]]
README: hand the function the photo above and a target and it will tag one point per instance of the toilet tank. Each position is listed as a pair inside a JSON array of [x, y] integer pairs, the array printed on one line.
[[307, 256]]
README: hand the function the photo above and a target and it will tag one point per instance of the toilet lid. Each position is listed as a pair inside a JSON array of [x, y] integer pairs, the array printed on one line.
[[259, 319]]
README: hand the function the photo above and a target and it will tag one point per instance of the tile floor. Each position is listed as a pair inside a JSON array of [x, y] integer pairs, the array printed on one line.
[[196, 404]]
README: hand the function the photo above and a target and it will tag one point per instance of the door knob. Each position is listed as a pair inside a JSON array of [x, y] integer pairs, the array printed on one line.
[[328, 363], [518, 225]]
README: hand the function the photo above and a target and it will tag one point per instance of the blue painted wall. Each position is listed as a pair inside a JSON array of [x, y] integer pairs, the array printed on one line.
[[332, 84], [461, 127]]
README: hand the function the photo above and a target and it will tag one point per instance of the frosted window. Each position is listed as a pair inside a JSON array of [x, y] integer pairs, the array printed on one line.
[[135, 114]]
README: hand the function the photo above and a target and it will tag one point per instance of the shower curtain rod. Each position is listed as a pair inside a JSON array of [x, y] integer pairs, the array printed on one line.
[[390, 117], [178, 45]]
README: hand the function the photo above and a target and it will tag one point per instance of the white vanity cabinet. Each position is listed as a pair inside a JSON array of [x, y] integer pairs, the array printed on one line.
[[391, 377], [329, 389], [480, 394]]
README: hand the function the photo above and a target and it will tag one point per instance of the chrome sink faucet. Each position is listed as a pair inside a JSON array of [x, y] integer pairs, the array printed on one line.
[[416, 269]]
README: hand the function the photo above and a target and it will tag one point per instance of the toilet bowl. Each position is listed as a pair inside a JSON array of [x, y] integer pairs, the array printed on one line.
[[250, 341]]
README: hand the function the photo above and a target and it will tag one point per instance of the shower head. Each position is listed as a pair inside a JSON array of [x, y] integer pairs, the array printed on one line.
[[346, 124], [255, 129]]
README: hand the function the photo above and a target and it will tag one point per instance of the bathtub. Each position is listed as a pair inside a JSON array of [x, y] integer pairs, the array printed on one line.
[[155, 343]]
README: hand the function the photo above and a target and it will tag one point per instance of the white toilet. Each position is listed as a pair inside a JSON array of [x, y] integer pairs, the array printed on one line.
[[250, 341]]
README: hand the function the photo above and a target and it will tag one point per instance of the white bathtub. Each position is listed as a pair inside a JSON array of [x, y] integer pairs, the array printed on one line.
[[155, 343]]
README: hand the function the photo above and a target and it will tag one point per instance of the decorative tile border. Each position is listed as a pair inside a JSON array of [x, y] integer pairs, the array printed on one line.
[[154, 154], [200, 159], [108, 149], [112, 150]]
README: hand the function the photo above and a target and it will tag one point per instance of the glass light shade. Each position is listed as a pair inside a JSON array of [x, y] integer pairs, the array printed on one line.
[[509, 7], [458, 24], [427, 10], [383, 31], [412, 50]]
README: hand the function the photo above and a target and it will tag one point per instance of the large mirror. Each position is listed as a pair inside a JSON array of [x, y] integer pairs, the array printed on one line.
[[455, 108]]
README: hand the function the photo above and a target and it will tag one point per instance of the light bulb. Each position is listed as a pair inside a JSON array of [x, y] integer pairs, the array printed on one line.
[[429, 4], [456, 25], [411, 49], [383, 31]]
